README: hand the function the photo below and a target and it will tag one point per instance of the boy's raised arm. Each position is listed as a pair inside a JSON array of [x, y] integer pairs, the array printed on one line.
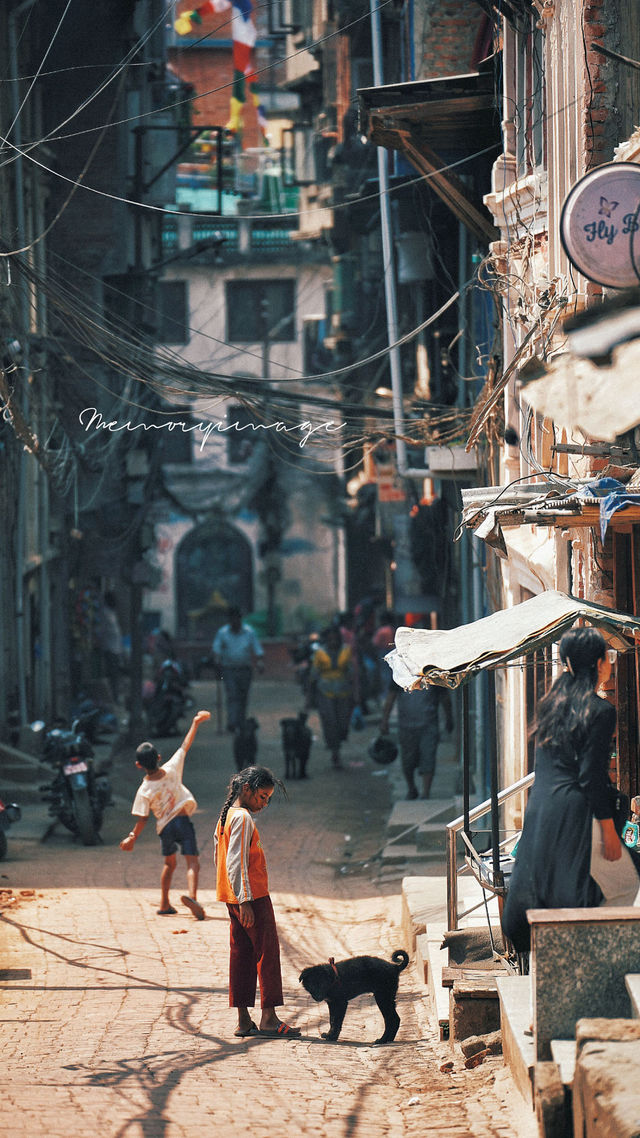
[[199, 717]]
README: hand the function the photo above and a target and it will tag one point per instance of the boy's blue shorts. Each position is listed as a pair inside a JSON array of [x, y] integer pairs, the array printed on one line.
[[179, 832]]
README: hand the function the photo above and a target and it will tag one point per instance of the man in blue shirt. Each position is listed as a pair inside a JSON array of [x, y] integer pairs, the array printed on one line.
[[236, 651]]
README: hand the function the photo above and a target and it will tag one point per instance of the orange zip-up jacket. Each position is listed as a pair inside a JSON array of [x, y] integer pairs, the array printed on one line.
[[241, 866]]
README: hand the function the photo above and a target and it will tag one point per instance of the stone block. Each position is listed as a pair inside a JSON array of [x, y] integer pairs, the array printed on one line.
[[603, 1030], [474, 1008], [606, 1096], [579, 960], [552, 1109]]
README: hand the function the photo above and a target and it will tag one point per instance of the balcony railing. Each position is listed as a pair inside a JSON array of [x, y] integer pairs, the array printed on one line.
[[273, 235]]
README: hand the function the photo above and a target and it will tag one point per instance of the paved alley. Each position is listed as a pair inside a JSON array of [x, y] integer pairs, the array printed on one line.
[[115, 1021]]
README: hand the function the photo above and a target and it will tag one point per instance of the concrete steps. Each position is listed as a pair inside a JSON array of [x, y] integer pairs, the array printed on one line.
[[416, 831]]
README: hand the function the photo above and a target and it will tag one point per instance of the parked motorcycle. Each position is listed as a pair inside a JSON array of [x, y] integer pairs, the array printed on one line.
[[78, 793], [9, 812], [168, 701]]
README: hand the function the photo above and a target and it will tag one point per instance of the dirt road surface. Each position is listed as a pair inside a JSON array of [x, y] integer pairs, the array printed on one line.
[[115, 1021]]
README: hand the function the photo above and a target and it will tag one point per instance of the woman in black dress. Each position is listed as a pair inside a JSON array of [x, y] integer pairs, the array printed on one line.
[[569, 854]]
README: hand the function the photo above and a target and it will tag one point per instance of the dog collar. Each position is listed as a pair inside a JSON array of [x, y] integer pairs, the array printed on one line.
[[333, 965]]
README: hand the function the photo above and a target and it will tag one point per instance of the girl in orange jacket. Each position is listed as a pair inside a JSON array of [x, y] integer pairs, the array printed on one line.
[[242, 883]]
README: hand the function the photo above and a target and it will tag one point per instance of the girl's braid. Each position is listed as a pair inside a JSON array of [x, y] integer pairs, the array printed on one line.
[[233, 791], [253, 777]]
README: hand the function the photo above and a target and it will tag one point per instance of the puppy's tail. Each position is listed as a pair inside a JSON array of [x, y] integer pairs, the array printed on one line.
[[400, 958]]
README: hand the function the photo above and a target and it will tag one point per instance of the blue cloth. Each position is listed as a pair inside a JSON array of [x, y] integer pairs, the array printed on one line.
[[612, 496]]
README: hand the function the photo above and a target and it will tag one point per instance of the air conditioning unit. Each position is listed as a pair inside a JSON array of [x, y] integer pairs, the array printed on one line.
[[447, 462]]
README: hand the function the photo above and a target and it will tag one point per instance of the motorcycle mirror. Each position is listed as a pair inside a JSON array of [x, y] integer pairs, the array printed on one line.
[[37, 725]]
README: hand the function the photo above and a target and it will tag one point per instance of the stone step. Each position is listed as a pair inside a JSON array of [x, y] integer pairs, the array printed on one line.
[[407, 815], [518, 1049], [563, 1052], [432, 836], [397, 853]]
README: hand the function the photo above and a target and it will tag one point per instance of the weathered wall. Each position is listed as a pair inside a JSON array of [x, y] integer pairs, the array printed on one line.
[[445, 35]]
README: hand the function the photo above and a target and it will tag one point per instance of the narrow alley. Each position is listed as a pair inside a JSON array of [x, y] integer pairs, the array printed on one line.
[[114, 1015]]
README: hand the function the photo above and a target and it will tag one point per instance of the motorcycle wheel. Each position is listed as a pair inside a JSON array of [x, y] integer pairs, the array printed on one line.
[[3, 843], [84, 816]]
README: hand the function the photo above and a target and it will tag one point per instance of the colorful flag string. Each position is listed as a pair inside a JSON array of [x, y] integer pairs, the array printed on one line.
[[243, 34]]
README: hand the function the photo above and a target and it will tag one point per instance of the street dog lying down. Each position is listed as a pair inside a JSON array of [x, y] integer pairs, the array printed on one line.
[[341, 981]]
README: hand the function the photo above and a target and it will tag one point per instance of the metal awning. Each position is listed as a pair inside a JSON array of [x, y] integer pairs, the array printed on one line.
[[457, 115], [490, 510], [450, 657]]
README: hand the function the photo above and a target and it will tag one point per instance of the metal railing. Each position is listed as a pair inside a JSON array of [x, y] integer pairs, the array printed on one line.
[[454, 828]]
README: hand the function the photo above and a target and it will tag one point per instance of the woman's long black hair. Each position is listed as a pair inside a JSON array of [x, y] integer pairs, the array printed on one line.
[[564, 712], [255, 778]]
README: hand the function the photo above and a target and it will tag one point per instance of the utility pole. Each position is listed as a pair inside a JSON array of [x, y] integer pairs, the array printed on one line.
[[270, 514]]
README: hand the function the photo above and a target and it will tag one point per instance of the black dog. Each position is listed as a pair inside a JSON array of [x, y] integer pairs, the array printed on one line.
[[296, 744], [337, 983], [245, 744]]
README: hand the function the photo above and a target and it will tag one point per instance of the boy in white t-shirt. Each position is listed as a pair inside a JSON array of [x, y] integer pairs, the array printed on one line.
[[163, 794]]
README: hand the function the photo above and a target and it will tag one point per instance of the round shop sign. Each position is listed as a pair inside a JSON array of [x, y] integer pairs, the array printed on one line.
[[600, 225]]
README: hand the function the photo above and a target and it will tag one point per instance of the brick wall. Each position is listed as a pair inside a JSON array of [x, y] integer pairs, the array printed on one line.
[[446, 32], [602, 123]]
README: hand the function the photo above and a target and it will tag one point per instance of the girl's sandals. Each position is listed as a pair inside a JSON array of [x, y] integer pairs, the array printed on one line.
[[282, 1031], [242, 1033]]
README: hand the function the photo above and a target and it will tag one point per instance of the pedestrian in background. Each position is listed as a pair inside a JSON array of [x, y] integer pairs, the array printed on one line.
[[382, 641], [332, 687], [236, 650], [163, 794], [418, 731], [111, 642], [242, 883]]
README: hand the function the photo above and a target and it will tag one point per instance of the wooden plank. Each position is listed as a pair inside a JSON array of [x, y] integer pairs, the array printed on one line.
[[451, 974], [443, 182], [475, 989]]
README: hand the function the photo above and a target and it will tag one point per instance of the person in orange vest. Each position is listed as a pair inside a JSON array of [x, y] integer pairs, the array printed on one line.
[[242, 883]]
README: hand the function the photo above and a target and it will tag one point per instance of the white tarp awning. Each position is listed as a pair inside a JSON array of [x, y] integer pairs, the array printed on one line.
[[448, 657]]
